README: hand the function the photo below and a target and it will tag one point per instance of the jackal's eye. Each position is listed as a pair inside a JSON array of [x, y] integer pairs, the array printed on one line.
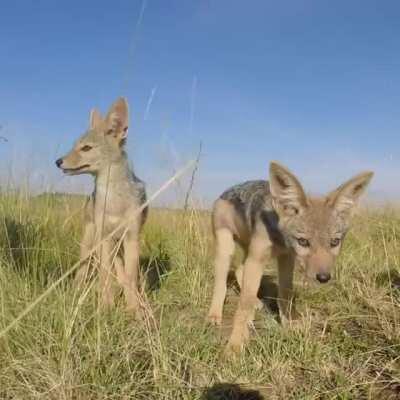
[[86, 148], [335, 242], [303, 242]]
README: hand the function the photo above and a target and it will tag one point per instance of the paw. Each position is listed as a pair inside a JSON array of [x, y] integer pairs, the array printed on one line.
[[214, 319], [233, 348], [293, 322], [133, 302], [136, 313], [135, 310], [107, 300]]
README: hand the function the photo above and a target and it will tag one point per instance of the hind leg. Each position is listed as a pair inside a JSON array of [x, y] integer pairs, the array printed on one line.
[[225, 247]]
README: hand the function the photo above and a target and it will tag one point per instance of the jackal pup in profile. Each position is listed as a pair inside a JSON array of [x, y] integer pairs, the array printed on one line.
[[277, 219], [117, 196]]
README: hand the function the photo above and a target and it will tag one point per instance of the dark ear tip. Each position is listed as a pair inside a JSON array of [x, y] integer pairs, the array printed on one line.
[[275, 168], [368, 175], [274, 165], [123, 100]]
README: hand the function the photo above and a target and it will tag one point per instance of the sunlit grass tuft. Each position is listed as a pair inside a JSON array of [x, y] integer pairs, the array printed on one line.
[[347, 345]]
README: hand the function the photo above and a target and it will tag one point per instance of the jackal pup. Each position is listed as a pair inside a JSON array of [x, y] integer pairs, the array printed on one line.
[[277, 219], [117, 196]]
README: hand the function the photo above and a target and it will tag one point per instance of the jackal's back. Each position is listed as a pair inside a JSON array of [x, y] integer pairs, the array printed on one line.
[[140, 194], [250, 199], [140, 188]]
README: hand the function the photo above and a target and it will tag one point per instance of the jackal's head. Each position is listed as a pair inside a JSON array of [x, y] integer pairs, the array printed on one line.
[[101, 144], [314, 228]]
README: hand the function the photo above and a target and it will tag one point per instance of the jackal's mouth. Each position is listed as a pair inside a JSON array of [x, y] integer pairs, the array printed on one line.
[[71, 171]]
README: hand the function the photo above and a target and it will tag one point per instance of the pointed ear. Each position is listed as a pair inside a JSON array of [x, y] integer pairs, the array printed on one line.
[[346, 196], [95, 119], [287, 193], [117, 120]]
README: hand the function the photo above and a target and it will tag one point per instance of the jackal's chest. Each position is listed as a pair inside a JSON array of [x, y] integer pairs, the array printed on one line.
[[109, 215], [109, 219], [114, 209]]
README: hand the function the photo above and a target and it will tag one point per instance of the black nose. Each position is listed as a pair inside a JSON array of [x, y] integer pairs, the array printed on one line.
[[59, 162], [323, 278]]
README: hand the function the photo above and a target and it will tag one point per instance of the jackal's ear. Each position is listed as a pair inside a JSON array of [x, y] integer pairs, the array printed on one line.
[[346, 196], [95, 119], [117, 120], [287, 193]]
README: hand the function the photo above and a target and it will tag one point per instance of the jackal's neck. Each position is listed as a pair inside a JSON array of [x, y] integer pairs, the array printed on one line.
[[114, 173]]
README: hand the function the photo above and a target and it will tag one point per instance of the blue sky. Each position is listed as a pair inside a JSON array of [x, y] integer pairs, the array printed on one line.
[[313, 84]]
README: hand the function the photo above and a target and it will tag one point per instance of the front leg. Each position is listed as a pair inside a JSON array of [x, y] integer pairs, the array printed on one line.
[[130, 276], [252, 272], [105, 273], [239, 280], [286, 265]]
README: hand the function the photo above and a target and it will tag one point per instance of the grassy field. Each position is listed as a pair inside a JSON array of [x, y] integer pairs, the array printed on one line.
[[347, 345]]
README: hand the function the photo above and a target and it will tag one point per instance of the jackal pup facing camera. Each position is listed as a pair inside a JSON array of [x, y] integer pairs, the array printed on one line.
[[277, 219], [117, 196]]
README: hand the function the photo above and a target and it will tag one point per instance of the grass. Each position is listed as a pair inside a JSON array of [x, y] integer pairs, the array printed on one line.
[[347, 345]]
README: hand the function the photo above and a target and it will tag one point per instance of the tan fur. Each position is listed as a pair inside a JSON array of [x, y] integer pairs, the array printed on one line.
[[117, 196], [319, 221]]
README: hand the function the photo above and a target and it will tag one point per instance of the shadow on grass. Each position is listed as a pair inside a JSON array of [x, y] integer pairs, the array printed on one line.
[[29, 251], [230, 391], [18, 241], [155, 269], [390, 278], [22, 244]]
